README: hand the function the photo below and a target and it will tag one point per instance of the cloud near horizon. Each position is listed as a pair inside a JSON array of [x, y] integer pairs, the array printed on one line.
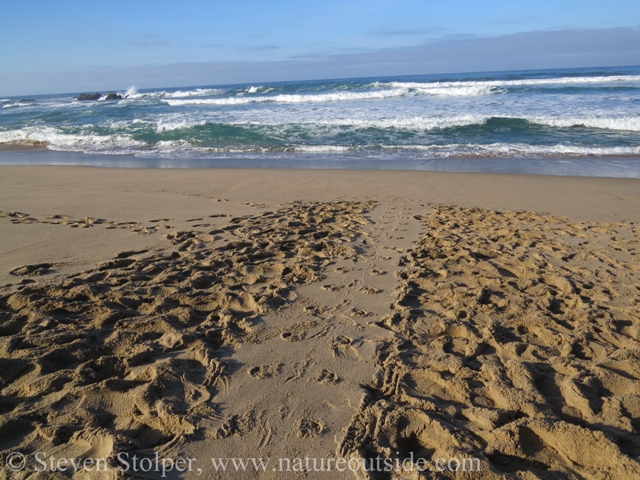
[[521, 51]]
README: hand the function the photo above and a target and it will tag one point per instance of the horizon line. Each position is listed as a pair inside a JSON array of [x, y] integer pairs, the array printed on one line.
[[478, 72]]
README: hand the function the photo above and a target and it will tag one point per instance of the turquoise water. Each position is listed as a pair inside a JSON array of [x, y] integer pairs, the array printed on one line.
[[560, 114]]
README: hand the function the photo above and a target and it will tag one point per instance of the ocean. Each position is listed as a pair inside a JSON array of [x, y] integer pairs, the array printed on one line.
[[570, 121]]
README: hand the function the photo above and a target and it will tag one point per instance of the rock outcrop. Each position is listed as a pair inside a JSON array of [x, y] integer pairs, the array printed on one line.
[[85, 97]]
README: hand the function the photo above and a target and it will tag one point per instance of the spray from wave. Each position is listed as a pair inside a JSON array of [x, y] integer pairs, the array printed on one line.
[[131, 91]]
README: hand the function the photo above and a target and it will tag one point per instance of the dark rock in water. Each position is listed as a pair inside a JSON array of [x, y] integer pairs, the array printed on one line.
[[83, 97], [113, 96]]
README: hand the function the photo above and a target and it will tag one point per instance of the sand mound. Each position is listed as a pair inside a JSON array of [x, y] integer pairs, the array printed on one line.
[[518, 343]]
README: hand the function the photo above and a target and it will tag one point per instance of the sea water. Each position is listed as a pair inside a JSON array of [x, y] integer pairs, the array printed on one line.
[[570, 121]]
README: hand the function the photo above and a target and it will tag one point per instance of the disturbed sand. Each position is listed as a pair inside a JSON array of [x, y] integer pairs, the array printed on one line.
[[270, 314]]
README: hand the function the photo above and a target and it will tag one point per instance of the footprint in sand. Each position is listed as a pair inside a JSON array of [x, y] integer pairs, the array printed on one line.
[[18, 217], [327, 377], [310, 428], [370, 290], [377, 272], [140, 340], [357, 312], [35, 269], [130, 253], [265, 371], [511, 321]]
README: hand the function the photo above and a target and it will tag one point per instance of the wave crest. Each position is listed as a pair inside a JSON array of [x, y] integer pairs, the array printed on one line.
[[513, 83], [342, 96]]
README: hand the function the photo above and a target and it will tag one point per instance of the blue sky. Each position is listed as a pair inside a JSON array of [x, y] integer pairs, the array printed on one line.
[[68, 46]]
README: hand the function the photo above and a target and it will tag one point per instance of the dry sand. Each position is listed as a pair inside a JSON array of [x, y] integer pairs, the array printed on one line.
[[328, 314]]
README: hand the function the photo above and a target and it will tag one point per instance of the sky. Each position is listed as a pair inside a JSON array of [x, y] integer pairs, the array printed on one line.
[[72, 46]]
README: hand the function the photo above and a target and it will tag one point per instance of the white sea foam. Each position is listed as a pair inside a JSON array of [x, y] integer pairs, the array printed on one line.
[[258, 89], [416, 123], [125, 144], [405, 123], [51, 104], [165, 126], [515, 150], [419, 123], [119, 143], [459, 91], [294, 98], [559, 149], [20, 104], [624, 123], [514, 83], [341, 96], [322, 149], [163, 123], [499, 150], [198, 92]]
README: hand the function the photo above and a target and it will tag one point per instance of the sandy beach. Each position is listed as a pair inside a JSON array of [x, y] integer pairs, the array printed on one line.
[[335, 315]]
